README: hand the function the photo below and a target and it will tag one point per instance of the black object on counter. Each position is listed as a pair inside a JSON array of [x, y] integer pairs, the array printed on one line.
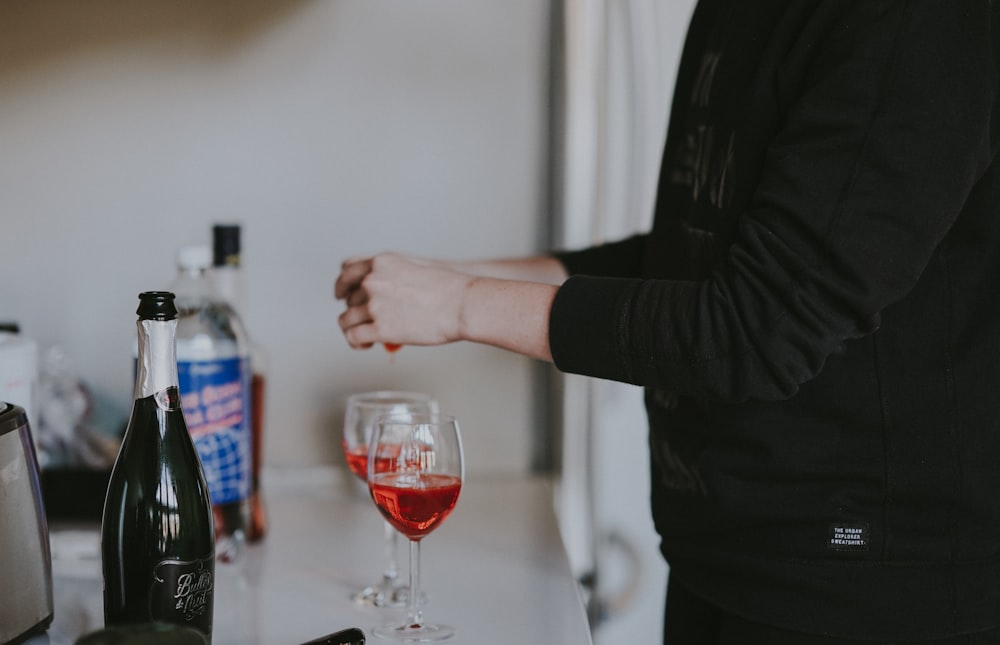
[[144, 634], [352, 636], [75, 494]]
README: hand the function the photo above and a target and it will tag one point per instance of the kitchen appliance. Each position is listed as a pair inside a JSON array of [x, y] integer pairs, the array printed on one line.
[[25, 560], [18, 369]]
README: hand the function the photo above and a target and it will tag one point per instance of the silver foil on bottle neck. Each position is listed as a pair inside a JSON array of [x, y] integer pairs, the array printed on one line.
[[157, 364]]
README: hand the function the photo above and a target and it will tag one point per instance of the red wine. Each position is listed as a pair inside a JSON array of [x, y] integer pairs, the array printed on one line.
[[228, 278], [357, 461], [414, 503], [157, 536], [257, 528]]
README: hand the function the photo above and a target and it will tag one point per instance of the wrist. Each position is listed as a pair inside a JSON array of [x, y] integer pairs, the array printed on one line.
[[467, 294], [509, 314]]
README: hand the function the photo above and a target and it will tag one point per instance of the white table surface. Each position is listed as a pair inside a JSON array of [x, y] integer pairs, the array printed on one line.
[[495, 570]]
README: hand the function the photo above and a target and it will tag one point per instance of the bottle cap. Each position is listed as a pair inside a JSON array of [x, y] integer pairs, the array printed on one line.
[[156, 305], [194, 256], [226, 245]]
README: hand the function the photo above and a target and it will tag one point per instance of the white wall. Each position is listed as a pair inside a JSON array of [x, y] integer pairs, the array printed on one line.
[[328, 128]]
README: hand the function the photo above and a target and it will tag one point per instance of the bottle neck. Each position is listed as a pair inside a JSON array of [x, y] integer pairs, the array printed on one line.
[[156, 369], [228, 282], [193, 288]]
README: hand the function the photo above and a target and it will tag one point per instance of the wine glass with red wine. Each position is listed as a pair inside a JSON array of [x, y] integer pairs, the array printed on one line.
[[415, 473], [359, 418]]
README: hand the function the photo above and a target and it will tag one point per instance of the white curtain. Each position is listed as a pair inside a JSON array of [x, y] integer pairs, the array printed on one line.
[[619, 64]]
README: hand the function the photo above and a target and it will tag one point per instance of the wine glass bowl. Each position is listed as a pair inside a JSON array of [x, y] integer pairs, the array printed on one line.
[[415, 472], [359, 417], [415, 500]]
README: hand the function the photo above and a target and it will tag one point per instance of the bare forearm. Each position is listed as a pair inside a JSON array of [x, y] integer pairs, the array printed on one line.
[[510, 314], [543, 269]]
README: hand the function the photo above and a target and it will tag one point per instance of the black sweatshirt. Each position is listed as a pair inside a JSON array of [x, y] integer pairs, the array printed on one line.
[[815, 315]]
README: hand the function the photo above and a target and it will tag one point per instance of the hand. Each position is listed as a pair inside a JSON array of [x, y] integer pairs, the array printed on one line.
[[396, 299]]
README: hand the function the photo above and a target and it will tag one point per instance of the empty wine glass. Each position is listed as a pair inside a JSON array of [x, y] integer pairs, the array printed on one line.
[[415, 473], [359, 417]]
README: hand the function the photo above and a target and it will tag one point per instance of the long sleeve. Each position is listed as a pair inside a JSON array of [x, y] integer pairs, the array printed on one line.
[[622, 259], [883, 118]]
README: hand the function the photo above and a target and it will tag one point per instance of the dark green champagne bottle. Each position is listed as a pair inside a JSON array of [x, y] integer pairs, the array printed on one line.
[[157, 537]]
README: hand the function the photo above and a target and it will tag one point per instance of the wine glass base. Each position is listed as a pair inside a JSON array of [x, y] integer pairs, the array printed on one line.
[[389, 597], [394, 598], [420, 633]]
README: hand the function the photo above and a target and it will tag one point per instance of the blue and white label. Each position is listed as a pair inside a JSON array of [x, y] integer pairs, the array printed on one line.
[[215, 398]]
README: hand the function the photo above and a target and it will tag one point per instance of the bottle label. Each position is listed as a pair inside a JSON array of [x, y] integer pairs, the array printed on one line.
[[182, 592], [214, 396]]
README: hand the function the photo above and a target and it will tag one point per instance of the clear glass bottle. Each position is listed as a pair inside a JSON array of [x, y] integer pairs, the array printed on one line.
[[213, 368], [157, 535], [227, 273]]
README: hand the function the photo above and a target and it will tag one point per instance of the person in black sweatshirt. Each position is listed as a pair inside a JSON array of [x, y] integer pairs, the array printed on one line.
[[814, 316]]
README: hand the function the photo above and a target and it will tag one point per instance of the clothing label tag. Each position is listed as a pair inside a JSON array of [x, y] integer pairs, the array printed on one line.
[[848, 537]]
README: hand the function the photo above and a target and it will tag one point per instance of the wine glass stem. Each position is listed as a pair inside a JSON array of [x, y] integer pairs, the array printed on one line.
[[415, 615], [392, 565]]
